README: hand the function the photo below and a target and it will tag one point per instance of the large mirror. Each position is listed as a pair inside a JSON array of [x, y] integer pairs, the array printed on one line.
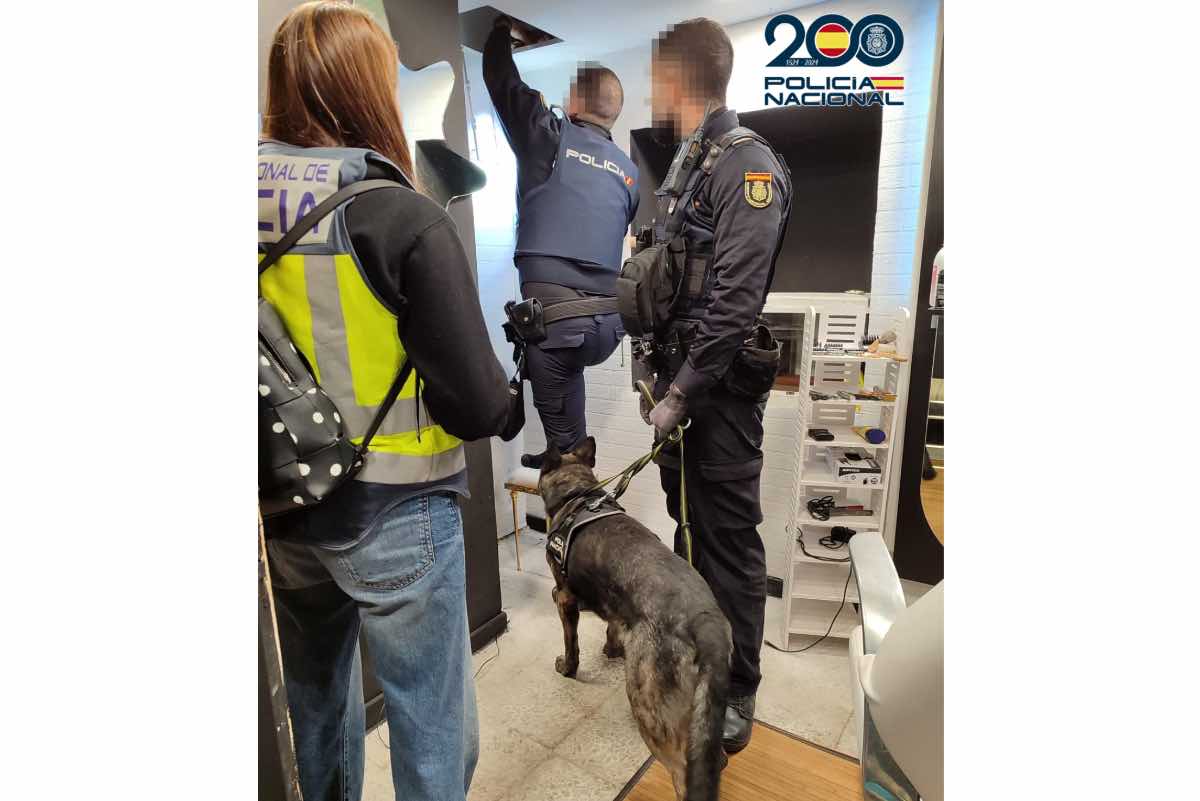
[[933, 474]]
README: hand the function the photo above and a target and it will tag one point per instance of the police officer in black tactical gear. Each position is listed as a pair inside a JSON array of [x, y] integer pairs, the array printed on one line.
[[720, 219], [576, 195]]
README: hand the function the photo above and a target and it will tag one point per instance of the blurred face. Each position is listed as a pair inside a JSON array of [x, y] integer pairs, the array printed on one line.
[[574, 104], [666, 95]]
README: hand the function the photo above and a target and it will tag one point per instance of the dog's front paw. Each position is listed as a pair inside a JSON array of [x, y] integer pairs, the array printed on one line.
[[614, 650], [565, 668]]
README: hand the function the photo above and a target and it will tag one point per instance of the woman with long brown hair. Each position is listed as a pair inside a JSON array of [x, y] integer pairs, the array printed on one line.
[[383, 280]]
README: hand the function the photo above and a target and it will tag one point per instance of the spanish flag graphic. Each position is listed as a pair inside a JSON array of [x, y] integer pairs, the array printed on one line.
[[884, 83], [832, 39]]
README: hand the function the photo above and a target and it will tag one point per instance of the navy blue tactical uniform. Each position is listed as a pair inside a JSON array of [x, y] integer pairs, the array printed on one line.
[[734, 220], [576, 195]]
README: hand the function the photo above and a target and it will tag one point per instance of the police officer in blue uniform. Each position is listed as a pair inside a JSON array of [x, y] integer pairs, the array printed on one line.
[[576, 195], [723, 209]]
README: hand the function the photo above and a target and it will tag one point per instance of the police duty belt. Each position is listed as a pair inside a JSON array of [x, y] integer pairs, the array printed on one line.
[[574, 515], [582, 307]]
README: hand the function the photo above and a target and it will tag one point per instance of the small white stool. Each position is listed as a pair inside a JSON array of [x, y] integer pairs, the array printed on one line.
[[523, 479]]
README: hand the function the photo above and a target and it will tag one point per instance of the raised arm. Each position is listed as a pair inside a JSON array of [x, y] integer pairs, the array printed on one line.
[[523, 115]]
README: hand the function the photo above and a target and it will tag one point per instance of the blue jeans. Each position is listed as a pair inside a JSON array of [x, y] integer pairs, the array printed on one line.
[[404, 585]]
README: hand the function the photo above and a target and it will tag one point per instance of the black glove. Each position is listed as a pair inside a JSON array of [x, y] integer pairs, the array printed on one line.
[[668, 412]]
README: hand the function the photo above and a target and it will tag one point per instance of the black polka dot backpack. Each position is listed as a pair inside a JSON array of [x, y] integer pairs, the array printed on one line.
[[304, 448]]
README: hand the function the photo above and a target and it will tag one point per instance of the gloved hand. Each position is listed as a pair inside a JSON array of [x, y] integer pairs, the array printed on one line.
[[668, 412], [645, 408]]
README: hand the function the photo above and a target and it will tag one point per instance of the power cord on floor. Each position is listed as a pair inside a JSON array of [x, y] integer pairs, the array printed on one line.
[[845, 591], [379, 736], [490, 658]]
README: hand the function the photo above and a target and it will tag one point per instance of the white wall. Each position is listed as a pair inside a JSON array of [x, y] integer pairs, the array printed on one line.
[[612, 408]]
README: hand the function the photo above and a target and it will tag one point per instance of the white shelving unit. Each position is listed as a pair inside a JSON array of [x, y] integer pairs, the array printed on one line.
[[812, 588]]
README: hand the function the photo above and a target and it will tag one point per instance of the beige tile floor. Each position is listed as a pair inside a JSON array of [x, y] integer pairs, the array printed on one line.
[[543, 737]]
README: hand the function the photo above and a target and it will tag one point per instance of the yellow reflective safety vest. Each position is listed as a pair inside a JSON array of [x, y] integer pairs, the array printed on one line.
[[348, 335]]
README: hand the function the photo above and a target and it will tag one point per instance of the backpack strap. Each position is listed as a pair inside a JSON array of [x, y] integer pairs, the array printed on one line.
[[386, 406], [305, 223], [729, 140], [302, 227]]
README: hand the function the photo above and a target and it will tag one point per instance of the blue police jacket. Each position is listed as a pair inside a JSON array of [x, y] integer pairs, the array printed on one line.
[[582, 211]]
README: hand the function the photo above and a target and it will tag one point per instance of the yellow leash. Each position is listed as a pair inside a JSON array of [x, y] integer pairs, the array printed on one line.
[[638, 464], [675, 436]]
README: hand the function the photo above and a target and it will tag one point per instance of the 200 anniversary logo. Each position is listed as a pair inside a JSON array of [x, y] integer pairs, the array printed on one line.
[[832, 41]]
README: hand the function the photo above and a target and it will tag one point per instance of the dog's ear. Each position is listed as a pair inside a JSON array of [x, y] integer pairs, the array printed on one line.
[[586, 452], [552, 459]]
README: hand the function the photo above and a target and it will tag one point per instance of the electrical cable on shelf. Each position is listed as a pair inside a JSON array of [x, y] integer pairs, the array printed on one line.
[[834, 547], [821, 508]]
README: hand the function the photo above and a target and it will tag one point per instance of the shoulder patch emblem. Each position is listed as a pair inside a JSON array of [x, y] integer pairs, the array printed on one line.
[[758, 189]]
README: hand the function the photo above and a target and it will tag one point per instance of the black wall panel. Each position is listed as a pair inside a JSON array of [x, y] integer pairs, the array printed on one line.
[[426, 32], [833, 154]]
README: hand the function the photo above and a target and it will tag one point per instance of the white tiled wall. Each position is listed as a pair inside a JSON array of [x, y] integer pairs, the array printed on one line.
[[612, 408]]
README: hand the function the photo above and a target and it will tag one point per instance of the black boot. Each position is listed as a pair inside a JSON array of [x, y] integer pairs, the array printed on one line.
[[533, 460], [739, 720]]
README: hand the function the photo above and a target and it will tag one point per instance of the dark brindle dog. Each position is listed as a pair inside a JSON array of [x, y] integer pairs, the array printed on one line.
[[661, 617]]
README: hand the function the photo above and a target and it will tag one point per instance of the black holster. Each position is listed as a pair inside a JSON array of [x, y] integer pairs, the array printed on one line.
[[662, 357], [755, 365], [526, 322], [516, 409]]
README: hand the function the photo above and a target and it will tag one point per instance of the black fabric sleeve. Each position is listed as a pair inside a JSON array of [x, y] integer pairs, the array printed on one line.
[[744, 239], [414, 260], [530, 127], [465, 387]]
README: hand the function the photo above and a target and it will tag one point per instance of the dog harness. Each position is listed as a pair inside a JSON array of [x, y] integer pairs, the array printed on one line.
[[594, 503], [574, 515]]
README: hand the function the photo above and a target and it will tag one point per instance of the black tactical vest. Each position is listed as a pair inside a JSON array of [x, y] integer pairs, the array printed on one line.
[[669, 280]]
